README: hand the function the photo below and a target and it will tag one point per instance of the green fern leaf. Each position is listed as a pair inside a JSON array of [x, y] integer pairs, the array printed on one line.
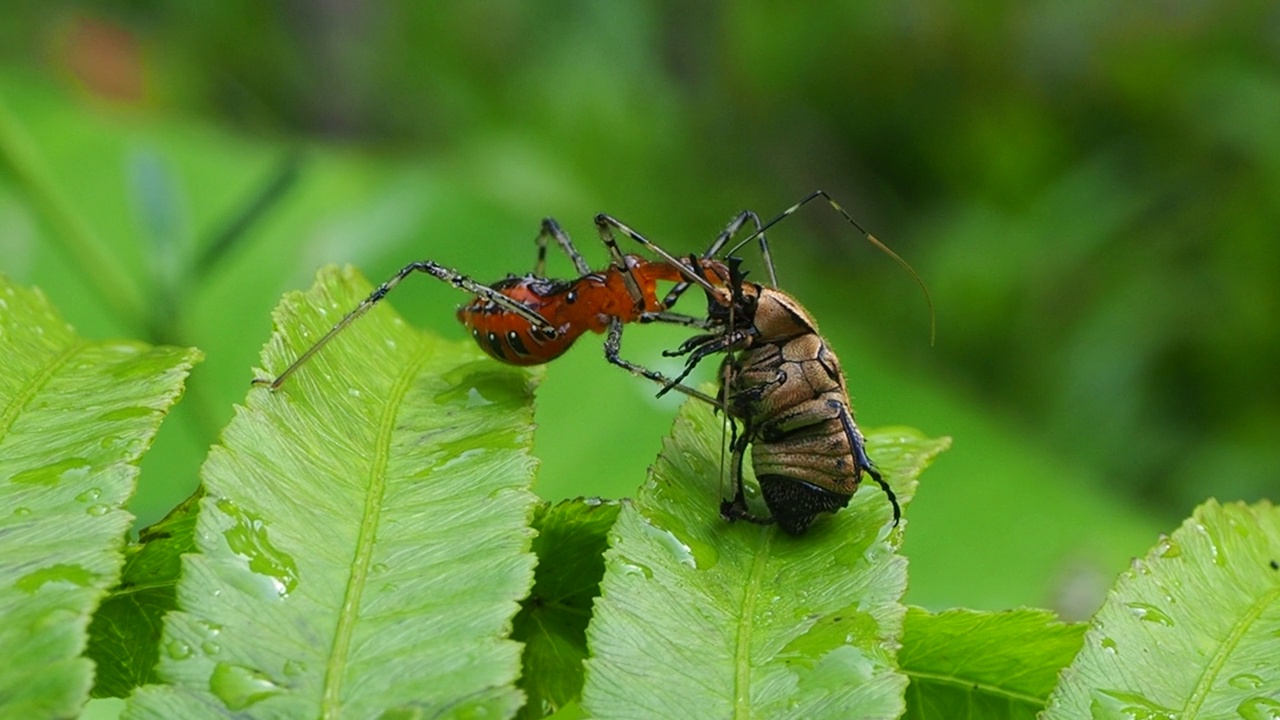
[[75, 418], [124, 637], [365, 537], [1191, 630], [972, 665], [572, 537], [701, 618]]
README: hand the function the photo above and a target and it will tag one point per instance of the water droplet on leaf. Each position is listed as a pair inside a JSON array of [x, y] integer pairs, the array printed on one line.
[[1150, 613], [54, 472], [1259, 708], [178, 650], [239, 687]]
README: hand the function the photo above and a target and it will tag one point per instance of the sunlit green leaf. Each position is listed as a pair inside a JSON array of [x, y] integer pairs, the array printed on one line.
[[1190, 631], [364, 540], [972, 665], [702, 618], [572, 537], [124, 637], [75, 417]]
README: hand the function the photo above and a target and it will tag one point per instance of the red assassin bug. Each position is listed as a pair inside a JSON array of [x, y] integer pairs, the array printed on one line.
[[532, 319]]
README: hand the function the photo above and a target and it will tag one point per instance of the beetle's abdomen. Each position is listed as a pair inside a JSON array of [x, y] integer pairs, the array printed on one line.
[[795, 503]]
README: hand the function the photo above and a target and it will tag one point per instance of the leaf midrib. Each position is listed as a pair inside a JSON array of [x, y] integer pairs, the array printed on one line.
[[959, 681], [742, 656], [1214, 668], [331, 696], [32, 386]]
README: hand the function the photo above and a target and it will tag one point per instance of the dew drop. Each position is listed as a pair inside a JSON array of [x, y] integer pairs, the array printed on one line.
[[1150, 613], [54, 472], [379, 568], [98, 510], [294, 668], [671, 544], [248, 538], [1109, 645], [61, 573], [211, 631], [178, 650], [89, 495], [1219, 558], [1245, 681], [22, 511], [635, 570], [239, 687], [1259, 708], [1108, 704]]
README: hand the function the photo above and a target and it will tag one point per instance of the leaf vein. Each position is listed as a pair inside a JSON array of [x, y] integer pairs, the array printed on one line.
[[331, 702], [971, 685], [29, 390], [1214, 668], [742, 656]]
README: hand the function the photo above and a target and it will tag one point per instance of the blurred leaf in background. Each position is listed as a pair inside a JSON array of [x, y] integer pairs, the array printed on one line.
[[1090, 190]]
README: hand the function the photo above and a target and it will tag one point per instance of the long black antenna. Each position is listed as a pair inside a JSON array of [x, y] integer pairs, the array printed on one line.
[[933, 321]]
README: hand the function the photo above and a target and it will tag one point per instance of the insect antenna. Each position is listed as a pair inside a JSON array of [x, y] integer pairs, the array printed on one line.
[[933, 322]]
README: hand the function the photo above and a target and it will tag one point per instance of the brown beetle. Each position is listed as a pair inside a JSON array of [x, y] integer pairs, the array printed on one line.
[[785, 386]]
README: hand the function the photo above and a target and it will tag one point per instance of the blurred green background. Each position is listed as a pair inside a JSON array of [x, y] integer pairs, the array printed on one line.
[[1091, 191]]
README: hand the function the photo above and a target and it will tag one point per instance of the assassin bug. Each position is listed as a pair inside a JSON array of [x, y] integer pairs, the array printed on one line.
[[785, 385], [532, 319]]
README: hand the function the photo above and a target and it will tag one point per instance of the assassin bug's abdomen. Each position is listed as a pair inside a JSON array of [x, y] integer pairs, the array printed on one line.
[[570, 307]]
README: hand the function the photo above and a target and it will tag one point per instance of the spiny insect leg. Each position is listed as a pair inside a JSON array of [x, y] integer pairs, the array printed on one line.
[[736, 509], [607, 224], [860, 455], [612, 350], [677, 319], [723, 238], [440, 272], [551, 228]]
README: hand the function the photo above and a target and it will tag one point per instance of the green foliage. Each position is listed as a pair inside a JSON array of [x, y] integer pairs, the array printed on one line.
[[363, 545], [1190, 630], [75, 418], [739, 620], [475, 208], [572, 538], [983, 665], [365, 523], [124, 638]]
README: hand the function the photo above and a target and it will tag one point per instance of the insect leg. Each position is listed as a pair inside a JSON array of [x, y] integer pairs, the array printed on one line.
[[440, 272], [551, 228], [698, 348], [860, 454], [607, 224], [736, 509], [677, 319], [612, 349], [724, 237]]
